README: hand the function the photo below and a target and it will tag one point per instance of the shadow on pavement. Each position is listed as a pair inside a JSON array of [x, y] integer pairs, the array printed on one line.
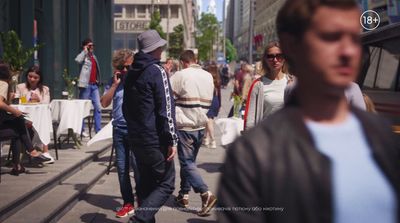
[[211, 167], [197, 220], [96, 218]]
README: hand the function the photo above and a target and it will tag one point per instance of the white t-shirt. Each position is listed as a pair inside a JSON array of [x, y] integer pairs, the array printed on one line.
[[361, 191], [273, 94], [3, 89]]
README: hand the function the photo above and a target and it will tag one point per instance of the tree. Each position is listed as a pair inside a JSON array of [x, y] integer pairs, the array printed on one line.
[[155, 23], [208, 30], [176, 42], [231, 52], [15, 54]]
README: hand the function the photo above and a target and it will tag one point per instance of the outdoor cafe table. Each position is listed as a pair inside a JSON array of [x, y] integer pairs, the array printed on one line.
[[231, 128], [40, 115], [70, 114]]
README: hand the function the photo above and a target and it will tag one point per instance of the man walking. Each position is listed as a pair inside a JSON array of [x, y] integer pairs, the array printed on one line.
[[319, 159], [148, 109], [193, 91]]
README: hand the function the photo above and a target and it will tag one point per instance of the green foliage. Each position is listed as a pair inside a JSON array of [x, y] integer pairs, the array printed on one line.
[[230, 50], [14, 53], [237, 105], [155, 23], [176, 42], [208, 31], [70, 82]]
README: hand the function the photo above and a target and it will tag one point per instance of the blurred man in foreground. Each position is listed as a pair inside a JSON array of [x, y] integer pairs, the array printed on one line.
[[318, 159]]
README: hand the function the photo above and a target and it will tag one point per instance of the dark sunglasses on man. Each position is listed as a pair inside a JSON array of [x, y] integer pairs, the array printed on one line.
[[279, 56], [122, 67]]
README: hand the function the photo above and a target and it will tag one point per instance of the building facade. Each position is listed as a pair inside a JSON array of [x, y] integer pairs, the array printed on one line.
[[133, 17], [388, 10], [240, 21], [265, 23], [60, 26]]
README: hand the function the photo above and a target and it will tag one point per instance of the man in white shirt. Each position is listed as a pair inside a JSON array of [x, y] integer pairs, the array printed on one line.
[[193, 91]]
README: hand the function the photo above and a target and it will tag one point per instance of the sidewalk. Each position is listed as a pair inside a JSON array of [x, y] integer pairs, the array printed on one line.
[[101, 201], [17, 192]]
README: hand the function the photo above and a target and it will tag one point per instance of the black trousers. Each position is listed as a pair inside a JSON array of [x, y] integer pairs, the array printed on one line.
[[14, 127], [156, 184]]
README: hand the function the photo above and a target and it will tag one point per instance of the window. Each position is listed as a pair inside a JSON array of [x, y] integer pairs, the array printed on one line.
[[141, 11], [117, 11], [130, 11], [174, 11], [164, 12]]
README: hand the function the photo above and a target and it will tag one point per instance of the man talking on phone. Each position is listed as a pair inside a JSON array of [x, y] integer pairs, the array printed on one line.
[[89, 80]]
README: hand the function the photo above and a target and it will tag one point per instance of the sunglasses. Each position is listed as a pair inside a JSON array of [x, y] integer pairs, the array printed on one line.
[[123, 66], [279, 56]]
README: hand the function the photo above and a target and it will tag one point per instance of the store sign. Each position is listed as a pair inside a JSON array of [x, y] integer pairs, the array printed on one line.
[[127, 26]]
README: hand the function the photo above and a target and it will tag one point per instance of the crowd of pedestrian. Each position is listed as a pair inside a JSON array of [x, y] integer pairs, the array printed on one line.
[[309, 145]]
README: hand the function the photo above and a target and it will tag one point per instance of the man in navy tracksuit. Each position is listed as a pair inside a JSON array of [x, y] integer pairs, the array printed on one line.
[[148, 108]]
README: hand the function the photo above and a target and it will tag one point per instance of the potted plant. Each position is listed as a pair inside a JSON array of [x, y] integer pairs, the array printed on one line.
[[15, 54], [70, 83]]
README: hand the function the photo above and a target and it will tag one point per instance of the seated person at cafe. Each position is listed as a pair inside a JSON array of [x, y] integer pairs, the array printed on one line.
[[12, 123], [35, 92], [33, 88]]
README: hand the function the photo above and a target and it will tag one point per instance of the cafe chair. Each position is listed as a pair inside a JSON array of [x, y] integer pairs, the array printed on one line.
[[90, 120], [6, 135], [110, 163], [57, 143]]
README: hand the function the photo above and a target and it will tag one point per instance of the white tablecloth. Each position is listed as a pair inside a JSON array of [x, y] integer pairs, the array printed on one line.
[[105, 133], [230, 127], [69, 114], [40, 115]]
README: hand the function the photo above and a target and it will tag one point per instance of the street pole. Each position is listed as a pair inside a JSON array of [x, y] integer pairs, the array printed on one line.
[[224, 30], [251, 32], [168, 11]]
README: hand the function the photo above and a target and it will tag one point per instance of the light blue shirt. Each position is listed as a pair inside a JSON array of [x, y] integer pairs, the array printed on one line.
[[361, 192], [118, 117]]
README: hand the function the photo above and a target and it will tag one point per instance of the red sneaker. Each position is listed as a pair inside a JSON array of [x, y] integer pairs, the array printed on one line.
[[126, 210]]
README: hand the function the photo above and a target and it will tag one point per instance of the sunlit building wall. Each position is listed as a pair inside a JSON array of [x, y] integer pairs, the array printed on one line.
[[132, 17]]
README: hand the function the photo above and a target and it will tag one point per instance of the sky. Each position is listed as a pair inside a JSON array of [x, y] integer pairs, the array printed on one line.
[[219, 7]]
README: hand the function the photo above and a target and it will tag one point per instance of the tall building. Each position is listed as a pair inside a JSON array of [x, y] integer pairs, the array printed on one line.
[[133, 17], [229, 23], [212, 7], [265, 23]]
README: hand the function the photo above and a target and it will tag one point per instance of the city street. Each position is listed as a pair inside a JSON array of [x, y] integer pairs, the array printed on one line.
[[100, 202]]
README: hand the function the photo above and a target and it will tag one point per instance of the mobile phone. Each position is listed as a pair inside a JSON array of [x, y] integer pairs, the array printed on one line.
[[119, 75]]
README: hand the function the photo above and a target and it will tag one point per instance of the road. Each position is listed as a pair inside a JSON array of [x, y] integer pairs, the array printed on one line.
[[100, 203]]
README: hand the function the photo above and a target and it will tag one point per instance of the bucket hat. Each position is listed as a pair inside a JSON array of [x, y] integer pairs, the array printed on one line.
[[150, 40]]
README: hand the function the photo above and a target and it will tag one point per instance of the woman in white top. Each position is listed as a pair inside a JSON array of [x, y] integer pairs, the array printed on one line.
[[33, 88], [36, 92], [266, 94]]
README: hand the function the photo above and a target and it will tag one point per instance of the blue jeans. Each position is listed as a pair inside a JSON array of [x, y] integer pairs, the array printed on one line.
[[124, 157], [92, 92], [188, 148], [157, 181]]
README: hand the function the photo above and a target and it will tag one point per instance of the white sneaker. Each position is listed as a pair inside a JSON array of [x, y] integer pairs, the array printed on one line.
[[213, 145], [47, 155], [205, 142], [85, 135]]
